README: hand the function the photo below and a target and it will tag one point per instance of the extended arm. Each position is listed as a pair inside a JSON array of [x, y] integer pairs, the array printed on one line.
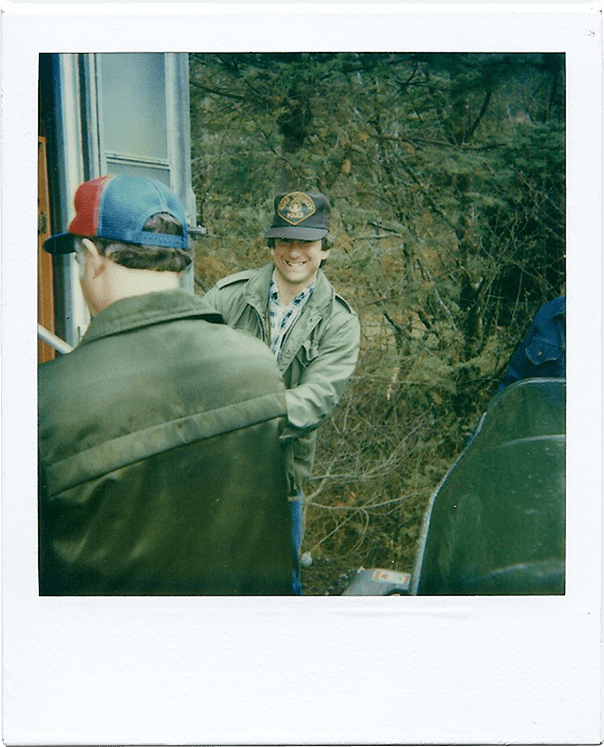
[[332, 363]]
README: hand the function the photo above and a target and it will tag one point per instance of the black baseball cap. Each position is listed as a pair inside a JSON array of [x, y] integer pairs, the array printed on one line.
[[300, 215]]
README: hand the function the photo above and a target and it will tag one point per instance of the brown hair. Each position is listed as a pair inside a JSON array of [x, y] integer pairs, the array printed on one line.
[[326, 243], [148, 256]]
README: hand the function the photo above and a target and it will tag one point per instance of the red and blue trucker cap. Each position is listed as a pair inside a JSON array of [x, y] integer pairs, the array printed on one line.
[[117, 206], [300, 215]]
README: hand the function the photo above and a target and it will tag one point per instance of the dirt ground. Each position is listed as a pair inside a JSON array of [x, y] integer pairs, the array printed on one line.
[[326, 577]]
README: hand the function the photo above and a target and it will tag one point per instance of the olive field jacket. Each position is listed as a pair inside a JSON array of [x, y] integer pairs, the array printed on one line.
[[318, 357], [161, 468]]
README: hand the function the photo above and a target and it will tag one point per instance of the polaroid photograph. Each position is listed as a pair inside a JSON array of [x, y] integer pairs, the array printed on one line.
[[290, 452]]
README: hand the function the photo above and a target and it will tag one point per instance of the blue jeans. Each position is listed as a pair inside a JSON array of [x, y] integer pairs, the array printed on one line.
[[296, 514]]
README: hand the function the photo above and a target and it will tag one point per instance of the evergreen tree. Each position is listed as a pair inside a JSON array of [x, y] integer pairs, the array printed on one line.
[[446, 177]]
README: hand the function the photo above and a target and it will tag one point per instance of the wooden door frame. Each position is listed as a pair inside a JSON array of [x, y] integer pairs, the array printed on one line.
[[46, 312]]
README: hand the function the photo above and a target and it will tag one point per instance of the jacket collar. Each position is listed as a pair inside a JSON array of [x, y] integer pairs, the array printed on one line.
[[318, 305], [143, 311]]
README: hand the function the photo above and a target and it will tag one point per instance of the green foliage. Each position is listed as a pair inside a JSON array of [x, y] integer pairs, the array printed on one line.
[[446, 173]]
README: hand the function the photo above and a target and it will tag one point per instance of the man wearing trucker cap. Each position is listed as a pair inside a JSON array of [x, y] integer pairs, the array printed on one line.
[[161, 470], [312, 332]]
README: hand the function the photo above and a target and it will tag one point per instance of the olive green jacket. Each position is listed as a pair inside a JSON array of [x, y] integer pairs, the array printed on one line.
[[161, 469], [318, 357]]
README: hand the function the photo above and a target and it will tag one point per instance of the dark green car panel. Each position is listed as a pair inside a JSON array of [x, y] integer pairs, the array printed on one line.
[[496, 524]]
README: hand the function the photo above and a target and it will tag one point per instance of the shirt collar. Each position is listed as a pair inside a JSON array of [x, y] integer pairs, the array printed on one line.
[[298, 300]]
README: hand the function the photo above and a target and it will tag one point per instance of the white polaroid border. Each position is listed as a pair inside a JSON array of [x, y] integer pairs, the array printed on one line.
[[346, 670]]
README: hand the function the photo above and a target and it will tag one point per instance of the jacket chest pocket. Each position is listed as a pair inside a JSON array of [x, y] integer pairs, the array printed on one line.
[[308, 352], [294, 372], [541, 351]]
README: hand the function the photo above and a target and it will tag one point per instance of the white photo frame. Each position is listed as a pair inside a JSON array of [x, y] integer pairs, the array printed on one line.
[[393, 670]]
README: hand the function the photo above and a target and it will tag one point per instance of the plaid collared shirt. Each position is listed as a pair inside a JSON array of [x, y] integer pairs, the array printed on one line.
[[282, 317]]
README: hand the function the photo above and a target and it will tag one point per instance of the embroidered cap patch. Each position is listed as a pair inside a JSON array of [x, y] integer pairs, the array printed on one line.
[[300, 215], [296, 207]]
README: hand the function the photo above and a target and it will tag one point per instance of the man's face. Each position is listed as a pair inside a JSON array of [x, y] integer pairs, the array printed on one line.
[[297, 262]]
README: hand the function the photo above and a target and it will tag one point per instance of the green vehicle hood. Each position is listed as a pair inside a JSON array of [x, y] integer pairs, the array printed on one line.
[[496, 524]]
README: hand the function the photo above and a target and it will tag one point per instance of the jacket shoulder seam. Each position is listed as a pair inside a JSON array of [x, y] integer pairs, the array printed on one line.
[[238, 277]]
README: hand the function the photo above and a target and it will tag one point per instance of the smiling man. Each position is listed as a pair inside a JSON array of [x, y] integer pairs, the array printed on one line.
[[313, 332]]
